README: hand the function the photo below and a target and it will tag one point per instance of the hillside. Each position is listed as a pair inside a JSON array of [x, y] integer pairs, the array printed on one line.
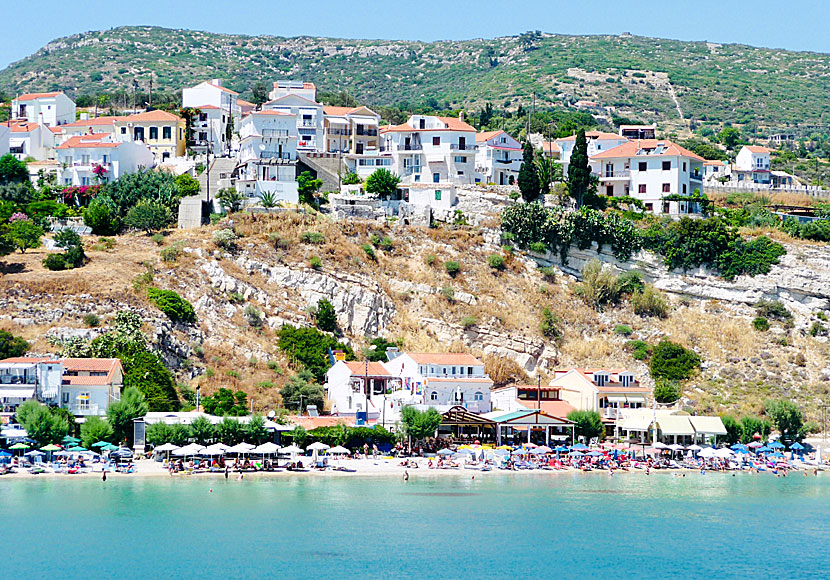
[[407, 295], [645, 78]]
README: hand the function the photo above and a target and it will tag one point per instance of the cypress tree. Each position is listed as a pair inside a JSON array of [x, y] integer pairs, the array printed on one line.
[[528, 176], [579, 173]]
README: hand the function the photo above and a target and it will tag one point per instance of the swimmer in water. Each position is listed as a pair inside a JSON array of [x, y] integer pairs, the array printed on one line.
[[406, 476]]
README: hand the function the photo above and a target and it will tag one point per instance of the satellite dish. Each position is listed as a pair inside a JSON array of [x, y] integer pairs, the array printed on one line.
[[272, 414], [262, 146]]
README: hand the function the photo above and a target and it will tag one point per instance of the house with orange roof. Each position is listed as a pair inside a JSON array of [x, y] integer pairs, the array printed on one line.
[[84, 386], [268, 156], [103, 124], [47, 109], [27, 139], [299, 98], [98, 158], [650, 170], [598, 142], [353, 386], [752, 165], [219, 115], [606, 391], [715, 169], [498, 158], [159, 130], [352, 132], [520, 397]]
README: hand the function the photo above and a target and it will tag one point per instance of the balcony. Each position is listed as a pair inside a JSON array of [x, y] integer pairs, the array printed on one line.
[[308, 123], [17, 380], [83, 409], [366, 132], [275, 133], [412, 147], [307, 144], [340, 132], [696, 176], [275, 155], [412, 169], [622, 174], [459, 147]]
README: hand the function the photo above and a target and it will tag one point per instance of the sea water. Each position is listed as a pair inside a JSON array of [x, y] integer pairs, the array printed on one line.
[[494, 526]]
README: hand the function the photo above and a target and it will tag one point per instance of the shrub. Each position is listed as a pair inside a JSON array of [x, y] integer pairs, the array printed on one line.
[[468, 322], [640, 350], [54, 262], [370, 251], [309, 347], [171, 253], [315, 262], [174, 306], [548, 273], [351, 178], [225, 239], [623, 330], [11, 346], [279, 242], [253, 316], [101, 219], [549, 324], [430, 259], [630, 282], [325, 317], [92, 320], [587, 424], [760, 324], [158, 239], [448, 292], [514, 195], [538, 248], [274, 366], [598, 286], [374, 239], [818, 329], [673, 362], [387, 244], [666, 391], [148, 216], [507, 249], [496, 261], [650, 302], [452, 268], [773, 309], [229, 199], [312, 238], [236, 298]]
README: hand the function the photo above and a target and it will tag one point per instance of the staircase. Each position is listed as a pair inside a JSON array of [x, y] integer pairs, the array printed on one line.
[[220, 170], [323, 166]]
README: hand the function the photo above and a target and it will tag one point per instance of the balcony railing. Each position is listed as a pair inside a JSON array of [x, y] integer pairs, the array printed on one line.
[[307, 144], [411, 170], [459, 147], [276, 155], [340, 132], [366, 132], [696, 176], [612, 174], [274, 133], [306, 123], [17, 380], [83, 409], [412, 147]]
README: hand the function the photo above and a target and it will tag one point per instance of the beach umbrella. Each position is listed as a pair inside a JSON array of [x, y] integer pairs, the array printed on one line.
[[741, 450], [317, 446], [694, 448], [724, 453], [446, 452], [777, 455], [763, 449], [467, 451], [755, 444], [167, 447], [505, 447], [339, 450], [595, 453], [797, 446], [739, 446], [77, 449], [707, 453], [561, 449], [4, 453], [50, 447], [579, 447], [538, 451], [521, 451], [192, 449], [576, 454], [292, 449], [212, 450], [100, 444], [529, 445], [18, 447], [776, 445], [660, 445], [240, 448], [501, 452], [35, 452], [71, 440], [266, 449], [544, 449], [676, 447]]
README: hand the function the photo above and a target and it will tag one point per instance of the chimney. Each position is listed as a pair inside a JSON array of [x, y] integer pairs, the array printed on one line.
[[461, 116], [217, 82]]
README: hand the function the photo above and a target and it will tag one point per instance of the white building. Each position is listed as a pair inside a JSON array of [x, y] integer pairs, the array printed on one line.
[[86, 126], [28, 139], [442, 380], [597, 141], [713, 170], [80, 156], [268, 155], [498, 158], [299, 99], [351, 130], [346, 390], [49, 109], [431, 149], [753, 165], [5, 133], [650, 170], [218, 106], [84, 386], [521, 397], [606, 391]]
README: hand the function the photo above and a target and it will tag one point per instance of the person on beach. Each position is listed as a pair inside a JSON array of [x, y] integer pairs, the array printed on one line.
[[104, 476], [366, 451], [406, 475]]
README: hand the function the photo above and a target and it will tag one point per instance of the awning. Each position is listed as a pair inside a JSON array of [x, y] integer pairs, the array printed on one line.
[[365, 120], [675, 425], [636, 423], [16, 142], [17, 393], [616, 398], [708, 425], [50, 393]]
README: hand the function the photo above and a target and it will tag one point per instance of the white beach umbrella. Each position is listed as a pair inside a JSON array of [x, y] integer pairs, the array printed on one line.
[[192, 449], [724, 453], [339, 450], [292, 449], [694, 447], [217, 449], [317, 446], [166, 447], [676, 447], [241, 448], [707, 453], [266, 449], [660, 445]]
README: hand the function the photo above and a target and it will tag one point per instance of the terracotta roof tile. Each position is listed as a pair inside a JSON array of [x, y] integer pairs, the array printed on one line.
[[157, 115], [84, 141], [487, 135], [594, 135], [631, 148], [758, 149], [376, 369], [33, 96], [426, 358]]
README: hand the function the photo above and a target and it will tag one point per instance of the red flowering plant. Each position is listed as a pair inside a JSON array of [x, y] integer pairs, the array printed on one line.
[[99, 170], [18, 217], [80, 194]]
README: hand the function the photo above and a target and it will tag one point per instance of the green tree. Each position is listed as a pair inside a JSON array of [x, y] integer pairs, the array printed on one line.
[[187, 185], [579, 171], [299, 435], [419, 424], [302, 390], [225, 402], [259, 93], [229, 199], [733, 429], [528, 175], [666, 391], [256, 431], [351, 178], [24, 234], [587, 424], [11, 346], [325, 317], [176, 308], [149, 216], [310, 347], [159, 433], [752, 425], [307, 187], [101, 219], [382, 183], [41, 424], [145, 371], [122, 413], [673, 362], [149, 185], [730, 137], [202, 430], [378, 353], [12, 170], [787, 418], [230, 431], [95, 429], [20, 193]]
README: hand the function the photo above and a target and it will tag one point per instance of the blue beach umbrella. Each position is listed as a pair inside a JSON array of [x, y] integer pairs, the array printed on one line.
[[521, 451], [739, 447], [776, 445], [777, 455], [763, 449], [742, 450], [594, 453], [579, 447], [797, 447], [561, 449], [501, 452]]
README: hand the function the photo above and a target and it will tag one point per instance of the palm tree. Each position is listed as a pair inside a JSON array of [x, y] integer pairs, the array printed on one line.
[[267, 199]]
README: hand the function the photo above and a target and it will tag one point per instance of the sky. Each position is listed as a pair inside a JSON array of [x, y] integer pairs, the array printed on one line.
[[793, 24]]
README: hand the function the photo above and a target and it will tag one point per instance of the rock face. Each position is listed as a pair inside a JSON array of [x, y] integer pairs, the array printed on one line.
[[801, 280]]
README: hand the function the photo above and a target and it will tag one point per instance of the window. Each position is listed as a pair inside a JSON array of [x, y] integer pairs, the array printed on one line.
[[167, 133], [460, 173], [459, 159], [666, 165], [458, 396], [666, 188], [469, 370], [600, 379], [436, 141], [203, 116], [684, 188], [641, 188], [684, 166], [123, 130], [83, 400], [437, 195], [154, 132], [417, 178], [650, 207], [436, 177], [478, 396], [433, 396], [453, 370], [65, 398], [642, 166], [626, 380], [609, 190]]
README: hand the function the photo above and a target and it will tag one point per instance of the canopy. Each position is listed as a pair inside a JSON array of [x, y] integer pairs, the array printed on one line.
[[576, 454], [192, 449], [240, 448], [501, 452], [797, 446], [292, 449], [660, 445], [70, 439], [217, 449], [338, 450], [708, 452], [737, 446], [707, 425], [776, 445], [579, 447], [561, 449], [50, 447], [100, 444], [35, 452], [594, 453], [676, 447], [266, 448], [694, 448], [755, 444], [167, 447], [763, 449], [724, 453], [77, 449], [317, 446], [19, 446], [4, 453], [17, 393], [445, 452], [675, 425]]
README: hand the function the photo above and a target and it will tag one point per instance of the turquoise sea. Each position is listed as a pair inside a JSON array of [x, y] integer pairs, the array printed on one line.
[[501, 526]]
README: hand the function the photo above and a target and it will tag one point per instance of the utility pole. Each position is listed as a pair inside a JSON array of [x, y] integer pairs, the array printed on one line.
[[150, 104], [366, 387], [538, 390]]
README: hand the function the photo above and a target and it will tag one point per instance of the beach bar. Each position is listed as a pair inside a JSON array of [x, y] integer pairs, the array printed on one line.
[[531, 420]]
